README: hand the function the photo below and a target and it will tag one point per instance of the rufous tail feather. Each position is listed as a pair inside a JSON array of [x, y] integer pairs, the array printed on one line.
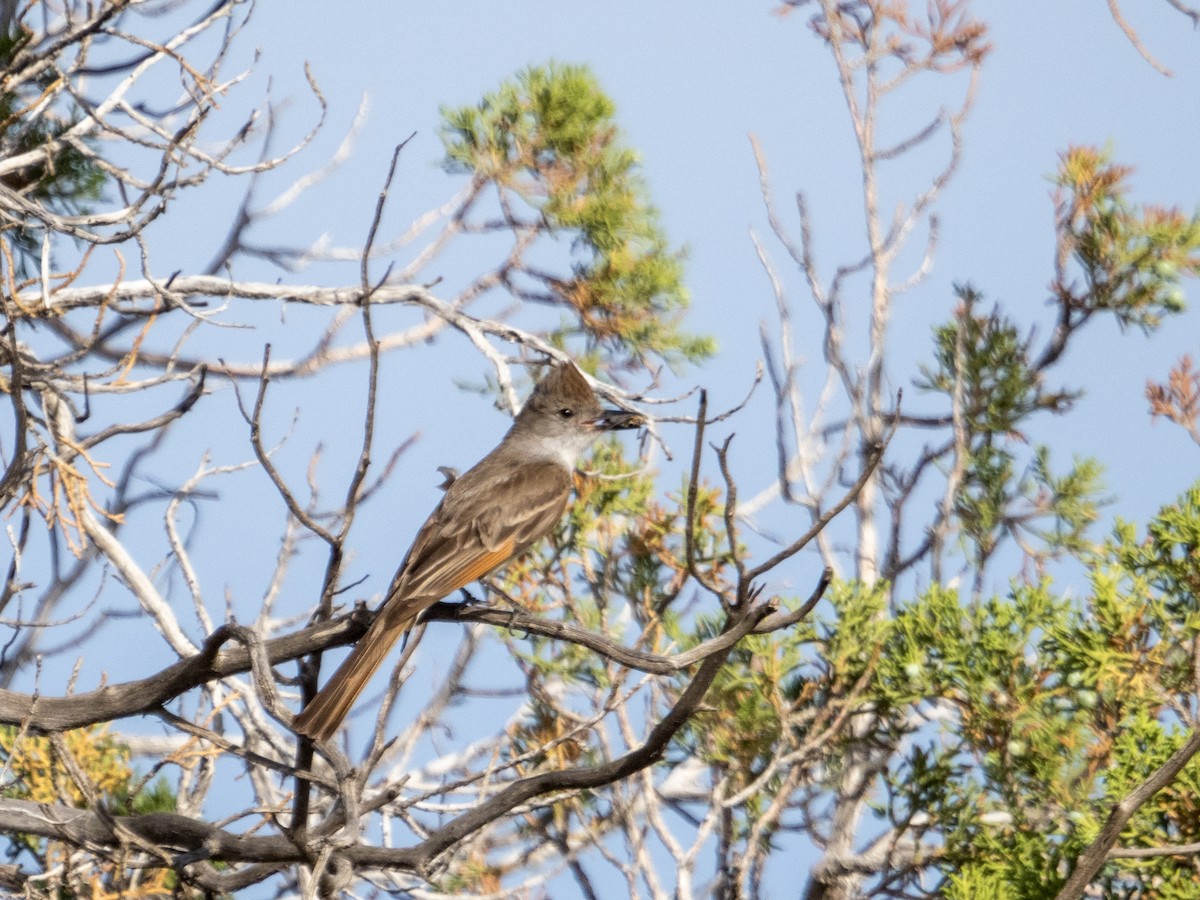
[[325, 712]]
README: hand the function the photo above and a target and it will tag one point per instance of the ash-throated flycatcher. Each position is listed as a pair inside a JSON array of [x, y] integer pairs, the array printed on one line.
[[512, 498]]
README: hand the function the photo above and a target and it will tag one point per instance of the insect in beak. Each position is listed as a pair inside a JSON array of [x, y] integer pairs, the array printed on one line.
[[618, 420]]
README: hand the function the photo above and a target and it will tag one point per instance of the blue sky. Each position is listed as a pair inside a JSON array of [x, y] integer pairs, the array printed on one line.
[[692, 81]]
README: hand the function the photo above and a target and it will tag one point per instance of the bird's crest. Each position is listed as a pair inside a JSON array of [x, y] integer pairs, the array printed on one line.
[[566, 383]]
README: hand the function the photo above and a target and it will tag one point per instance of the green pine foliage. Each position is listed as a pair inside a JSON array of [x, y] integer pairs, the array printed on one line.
[[548, 142], [64, 180], [35, 770], [983, 350], [1015, 721], [1005, 725], [1090, 697], [1005, 490], [1131, 258]]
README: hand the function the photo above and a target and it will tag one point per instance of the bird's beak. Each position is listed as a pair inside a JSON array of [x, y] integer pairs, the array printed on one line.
[[618, 420]]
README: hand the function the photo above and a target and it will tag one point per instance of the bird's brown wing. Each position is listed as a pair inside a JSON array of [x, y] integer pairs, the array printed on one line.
[[465, 538]]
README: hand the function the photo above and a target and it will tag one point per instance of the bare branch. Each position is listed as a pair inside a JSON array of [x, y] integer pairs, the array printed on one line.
[[1118, 17], [1092, 860]]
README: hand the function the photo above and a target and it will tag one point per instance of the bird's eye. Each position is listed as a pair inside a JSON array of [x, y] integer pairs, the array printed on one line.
[[566, 412]]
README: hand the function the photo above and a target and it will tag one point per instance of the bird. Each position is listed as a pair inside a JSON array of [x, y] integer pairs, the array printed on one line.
[[493, 512]]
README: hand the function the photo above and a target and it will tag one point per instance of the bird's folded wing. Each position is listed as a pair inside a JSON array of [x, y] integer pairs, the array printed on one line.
[[479, 525]]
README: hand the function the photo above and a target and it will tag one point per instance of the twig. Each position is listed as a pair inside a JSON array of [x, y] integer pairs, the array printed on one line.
[[264, 458], [212, 663], [873, 455], [1134, 39], [689, 533], [1092, 860]]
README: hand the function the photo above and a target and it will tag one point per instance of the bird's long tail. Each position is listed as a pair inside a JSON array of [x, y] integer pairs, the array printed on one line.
[[325, 712]]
